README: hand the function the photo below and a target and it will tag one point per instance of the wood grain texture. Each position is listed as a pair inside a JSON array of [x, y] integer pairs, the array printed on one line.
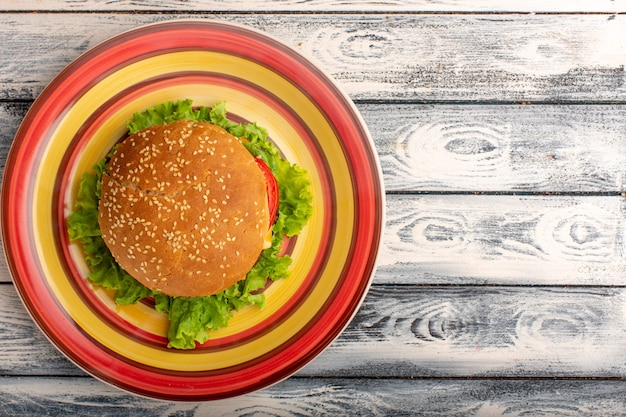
[[494, 148], [449, 57], [545, 148], [19, 336], [606, 6], [496, 239], [327, 397], [421, 331], [415, 331], [11, 115]]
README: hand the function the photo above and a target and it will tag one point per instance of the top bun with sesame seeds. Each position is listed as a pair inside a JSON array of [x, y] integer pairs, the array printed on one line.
[[184, 208]]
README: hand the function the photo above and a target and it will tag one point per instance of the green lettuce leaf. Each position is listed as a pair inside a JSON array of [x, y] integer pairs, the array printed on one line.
[[164, 113], [83, 225], [193, 318]]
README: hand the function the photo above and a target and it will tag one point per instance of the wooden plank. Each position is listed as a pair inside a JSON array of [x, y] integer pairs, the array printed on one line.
[[11, 115], [318, 6], [496, 148], [415, 331], [499, 240], [419, 332], [338, 397], [511, 240], [500, 148], [20, 337], [491, 239], [437, 57]]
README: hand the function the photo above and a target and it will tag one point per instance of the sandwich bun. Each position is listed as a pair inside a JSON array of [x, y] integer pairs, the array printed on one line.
[[184, 208]]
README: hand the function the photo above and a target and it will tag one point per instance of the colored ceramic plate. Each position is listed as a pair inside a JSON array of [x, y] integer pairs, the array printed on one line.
[[82, 113]]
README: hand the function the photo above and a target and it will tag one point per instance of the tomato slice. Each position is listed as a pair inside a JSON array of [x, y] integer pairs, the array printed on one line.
[[272, 189]]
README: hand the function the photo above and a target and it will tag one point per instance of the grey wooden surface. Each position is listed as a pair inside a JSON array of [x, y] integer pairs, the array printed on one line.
[[501, 130]]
